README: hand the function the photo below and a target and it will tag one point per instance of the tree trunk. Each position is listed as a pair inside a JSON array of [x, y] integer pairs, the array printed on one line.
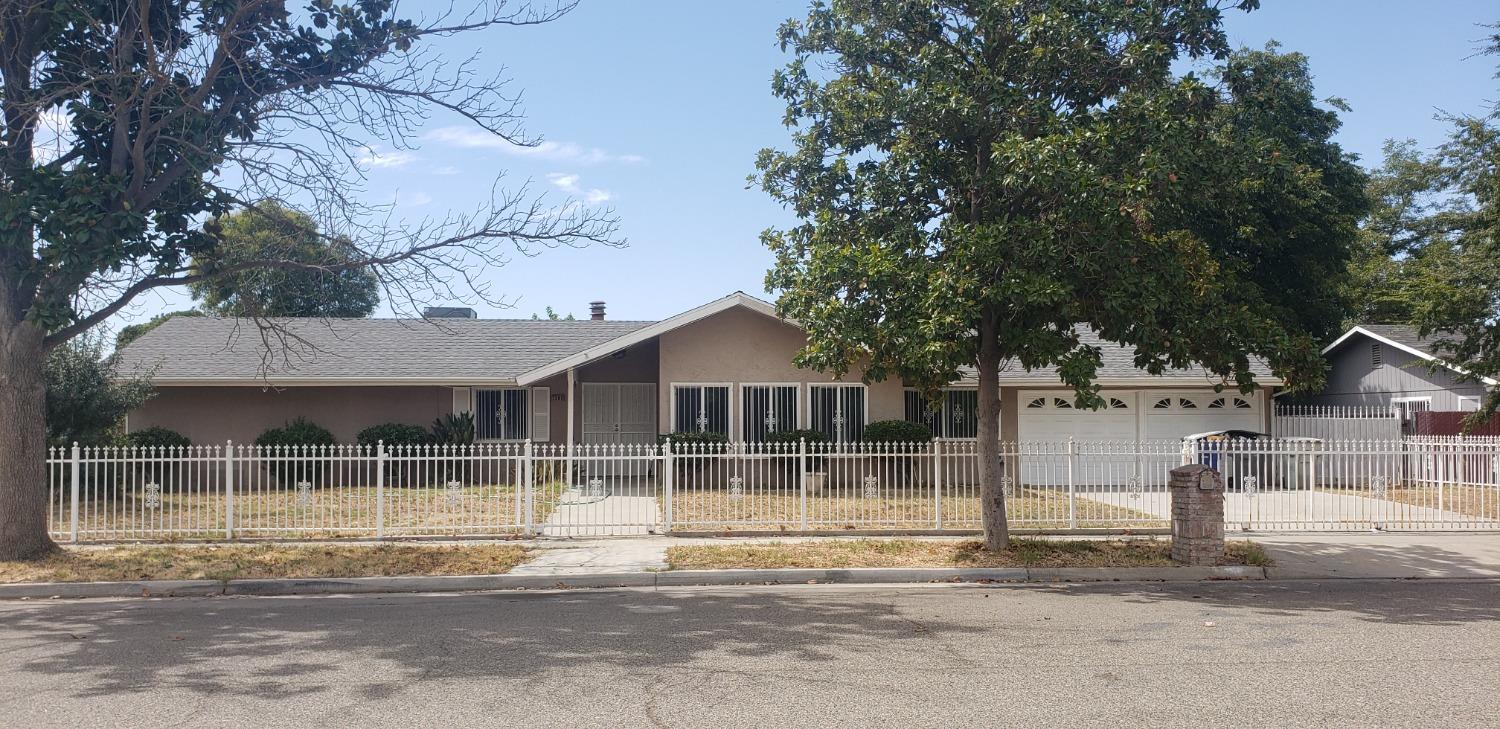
[[23, 441], [991, 493]]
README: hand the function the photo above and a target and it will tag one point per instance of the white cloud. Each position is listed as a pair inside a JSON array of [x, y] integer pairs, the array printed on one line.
[[372, 157], [471, 138], [564, 181], [446, 170], [568, 182]]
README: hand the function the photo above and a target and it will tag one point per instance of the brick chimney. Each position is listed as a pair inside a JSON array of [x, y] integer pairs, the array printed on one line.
[[596, 310]]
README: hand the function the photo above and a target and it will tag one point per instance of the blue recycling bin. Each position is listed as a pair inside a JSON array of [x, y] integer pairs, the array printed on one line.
[[1210, 445]]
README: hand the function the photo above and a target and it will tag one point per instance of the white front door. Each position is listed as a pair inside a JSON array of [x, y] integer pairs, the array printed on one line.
[[619, 412]]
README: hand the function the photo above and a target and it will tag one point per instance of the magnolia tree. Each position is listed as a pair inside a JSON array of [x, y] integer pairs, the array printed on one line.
[[129, 124], [979, 179]]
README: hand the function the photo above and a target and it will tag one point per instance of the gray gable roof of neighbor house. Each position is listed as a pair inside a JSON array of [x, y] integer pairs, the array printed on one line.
[[1410, 336], [223, 350]]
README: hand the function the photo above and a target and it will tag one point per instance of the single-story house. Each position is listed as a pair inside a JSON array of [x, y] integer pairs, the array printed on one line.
[[725, 366], [1392, 365]]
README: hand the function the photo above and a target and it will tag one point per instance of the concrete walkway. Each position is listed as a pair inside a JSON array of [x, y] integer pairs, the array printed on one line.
[[616, 512], [599, 556]]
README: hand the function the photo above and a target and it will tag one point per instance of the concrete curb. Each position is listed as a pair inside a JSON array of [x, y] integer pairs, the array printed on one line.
[[679, 578]]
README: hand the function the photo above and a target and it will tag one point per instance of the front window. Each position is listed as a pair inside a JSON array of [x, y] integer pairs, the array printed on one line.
[[700, 409], [838, 411], [502, 414], [954, 415], [766, 409]]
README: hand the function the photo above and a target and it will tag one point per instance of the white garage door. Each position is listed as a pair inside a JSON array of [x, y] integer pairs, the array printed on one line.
[[1047, 419], [1170, 416], [1050, 416]]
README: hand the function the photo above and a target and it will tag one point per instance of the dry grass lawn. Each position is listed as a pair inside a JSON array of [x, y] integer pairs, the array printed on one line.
[[1477, 501], [929, 553], [264, 561], [325, 513], [780, 510]]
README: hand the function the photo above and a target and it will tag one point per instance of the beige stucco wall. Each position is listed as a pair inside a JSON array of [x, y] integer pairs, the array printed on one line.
[[739, 346], [216, 414]]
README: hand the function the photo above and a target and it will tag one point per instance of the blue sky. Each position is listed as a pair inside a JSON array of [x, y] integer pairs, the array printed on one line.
[[657, 108]]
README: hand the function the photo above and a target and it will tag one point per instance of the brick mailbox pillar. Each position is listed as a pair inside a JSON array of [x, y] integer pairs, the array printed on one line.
[[1197, 515]]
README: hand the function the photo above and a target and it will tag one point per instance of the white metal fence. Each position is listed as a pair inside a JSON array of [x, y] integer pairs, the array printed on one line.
[[1337, 422], [499, 489]]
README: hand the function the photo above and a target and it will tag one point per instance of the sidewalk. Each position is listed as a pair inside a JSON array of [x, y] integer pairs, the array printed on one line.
[[1358, 555], [640, 562], [1392, 555]]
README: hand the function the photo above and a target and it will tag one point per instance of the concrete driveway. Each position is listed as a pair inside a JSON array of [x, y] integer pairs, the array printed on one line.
[[1305, 509]]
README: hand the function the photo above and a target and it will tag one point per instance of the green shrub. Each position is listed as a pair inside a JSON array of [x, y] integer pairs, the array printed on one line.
[[686, 438], [299, 432], [794, 436], [393, 434], [157, 437], [151, 441], [897, 431], [454, 429]]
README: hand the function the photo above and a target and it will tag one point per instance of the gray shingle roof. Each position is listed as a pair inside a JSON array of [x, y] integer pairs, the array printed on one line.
[[373, 349], [1118, 362], [473, 351], [1410, 336]]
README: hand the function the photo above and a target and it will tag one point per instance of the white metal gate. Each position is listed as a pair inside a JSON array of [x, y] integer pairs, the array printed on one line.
[[1308, 484], [606, 484]]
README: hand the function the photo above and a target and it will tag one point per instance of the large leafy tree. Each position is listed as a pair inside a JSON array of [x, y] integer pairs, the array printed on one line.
[[124, 124], [1433, 243], [1455, 276], [1399, 224], [979, 178], [324, 287]]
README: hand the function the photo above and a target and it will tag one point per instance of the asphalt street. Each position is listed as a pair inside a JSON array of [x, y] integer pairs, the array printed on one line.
[[1338, 653]]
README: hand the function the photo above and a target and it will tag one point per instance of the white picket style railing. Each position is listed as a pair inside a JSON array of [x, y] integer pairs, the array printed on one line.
[[500, 489]]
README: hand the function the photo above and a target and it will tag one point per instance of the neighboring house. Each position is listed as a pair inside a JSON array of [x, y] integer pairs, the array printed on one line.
[[725, 367], [1390, 365]]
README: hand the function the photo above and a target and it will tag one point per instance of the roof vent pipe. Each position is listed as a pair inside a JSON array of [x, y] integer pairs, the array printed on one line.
[[596, 310]]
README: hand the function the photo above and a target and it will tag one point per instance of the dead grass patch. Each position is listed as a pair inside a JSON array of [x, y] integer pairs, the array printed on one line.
[[831, 554], [264, 561], [325, 512], [777, 509], [1481, 502]]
